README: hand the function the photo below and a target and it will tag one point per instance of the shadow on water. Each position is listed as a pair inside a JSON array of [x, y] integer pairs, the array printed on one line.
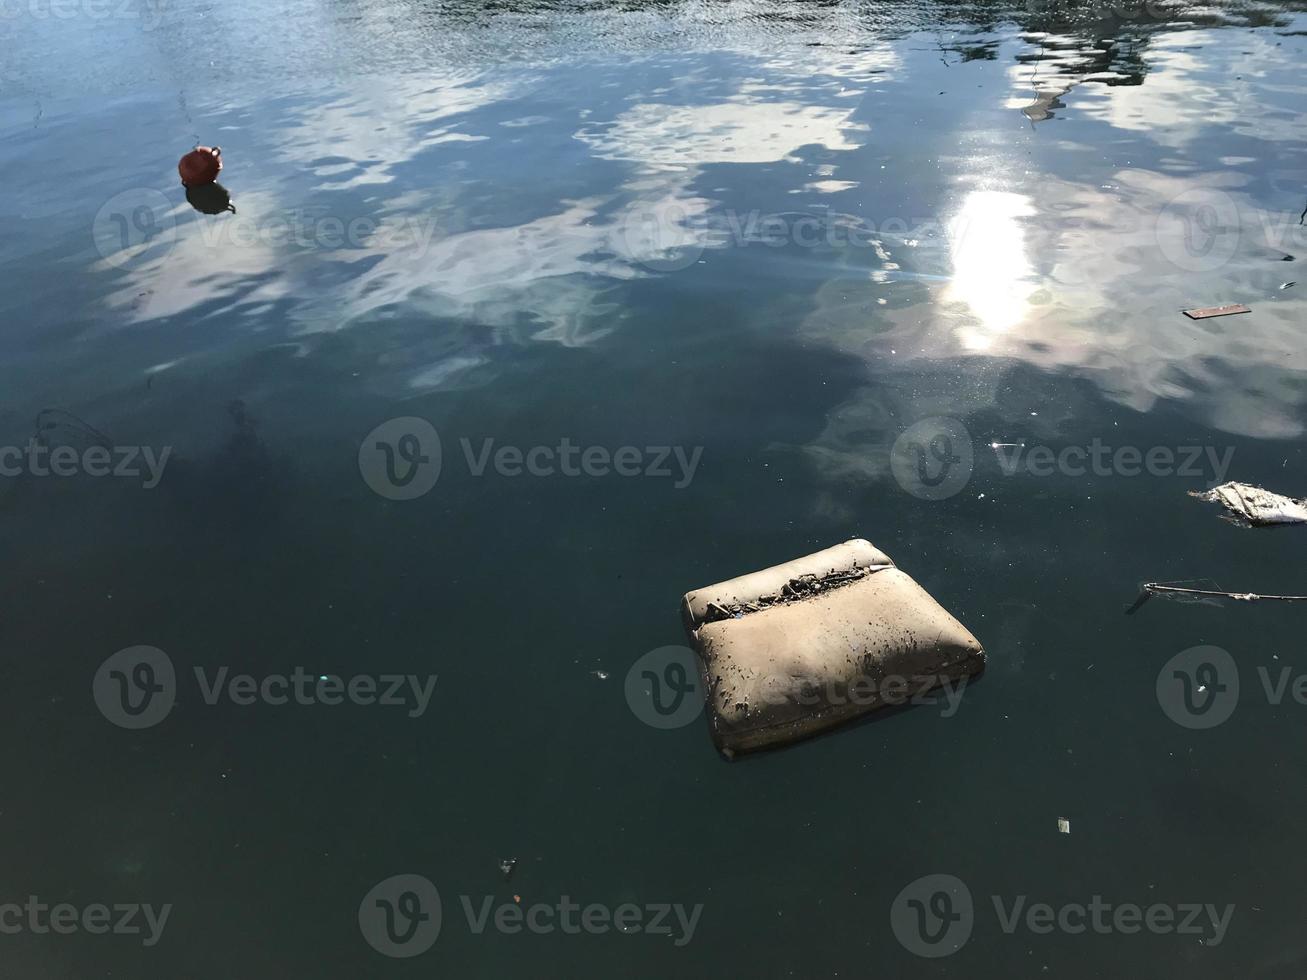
[[238, 488], [210, 199]]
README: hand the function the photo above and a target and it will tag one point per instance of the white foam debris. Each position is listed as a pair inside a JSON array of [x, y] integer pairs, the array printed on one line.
[[1252, 505]]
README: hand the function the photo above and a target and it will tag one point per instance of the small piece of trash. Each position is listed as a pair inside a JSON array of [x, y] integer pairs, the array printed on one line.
[[506, 867], [601, 674], [1202, 313], [1287, 285], [1177, 591], [1063, 826]]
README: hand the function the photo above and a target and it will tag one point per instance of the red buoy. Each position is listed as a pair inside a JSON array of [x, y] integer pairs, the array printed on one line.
[[200, 166]]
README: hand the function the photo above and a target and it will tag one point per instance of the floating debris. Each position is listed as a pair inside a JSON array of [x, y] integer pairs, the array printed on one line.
[[1202, 313], [1247, 506], [1251, 506], [1286, 285], [506, 867], [1150, 589], [601, 674], [1063, 826], [816, 612], [201, 166]]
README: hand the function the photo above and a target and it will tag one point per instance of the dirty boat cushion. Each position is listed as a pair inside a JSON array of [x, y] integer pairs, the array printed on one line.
[[801, 647]]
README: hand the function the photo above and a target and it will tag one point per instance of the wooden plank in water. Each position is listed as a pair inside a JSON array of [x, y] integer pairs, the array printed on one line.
[[1205, 312]]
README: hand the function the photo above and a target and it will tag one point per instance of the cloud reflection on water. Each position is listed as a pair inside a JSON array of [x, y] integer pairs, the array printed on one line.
[[1034, 264]]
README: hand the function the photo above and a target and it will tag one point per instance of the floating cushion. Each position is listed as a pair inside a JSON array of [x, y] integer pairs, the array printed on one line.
[[801, 647]]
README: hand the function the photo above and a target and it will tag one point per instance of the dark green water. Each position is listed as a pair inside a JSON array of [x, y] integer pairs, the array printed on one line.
[[772, 236]]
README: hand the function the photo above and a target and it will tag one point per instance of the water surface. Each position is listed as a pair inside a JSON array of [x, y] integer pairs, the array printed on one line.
[[782, 232]]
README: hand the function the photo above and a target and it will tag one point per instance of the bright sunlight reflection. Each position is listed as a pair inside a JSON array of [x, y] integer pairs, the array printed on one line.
[[990, 269]]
